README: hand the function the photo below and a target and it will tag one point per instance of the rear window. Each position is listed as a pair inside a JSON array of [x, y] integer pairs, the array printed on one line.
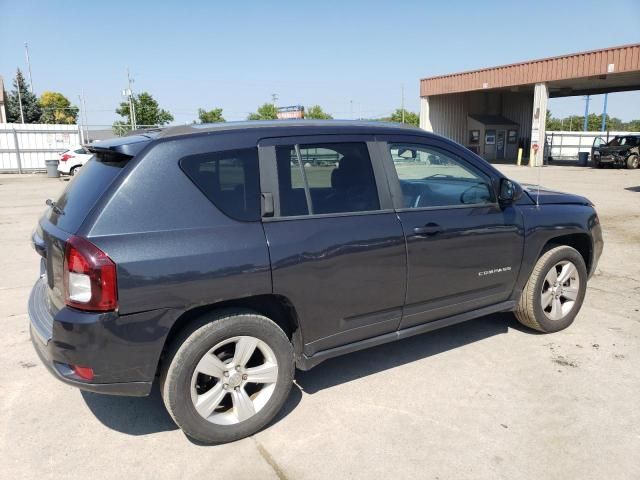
[[229, 179], [85, 189]]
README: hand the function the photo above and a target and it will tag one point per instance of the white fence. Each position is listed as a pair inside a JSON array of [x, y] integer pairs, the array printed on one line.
[[25, 147], [566, 145]]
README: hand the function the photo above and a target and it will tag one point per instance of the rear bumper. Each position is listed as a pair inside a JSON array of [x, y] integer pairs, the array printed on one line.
[[122, 350], [63, 373]]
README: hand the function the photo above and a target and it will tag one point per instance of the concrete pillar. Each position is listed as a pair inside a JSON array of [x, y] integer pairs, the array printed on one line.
[[425, 121], [538, 124]]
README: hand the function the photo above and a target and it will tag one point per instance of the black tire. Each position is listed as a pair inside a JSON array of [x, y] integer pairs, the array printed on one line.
[[192, 344], [75, 170], [529, 311], [633, 162], [597, 164]]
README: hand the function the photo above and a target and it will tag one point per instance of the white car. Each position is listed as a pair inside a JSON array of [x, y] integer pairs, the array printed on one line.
[[70, 161]]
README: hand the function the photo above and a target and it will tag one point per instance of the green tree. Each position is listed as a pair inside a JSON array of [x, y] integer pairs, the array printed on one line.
[[268, 111], [632, 126], [211, 116], [148, 114], [315, 112], [594, 123], [30, 106], [410, 118], [56, 108]]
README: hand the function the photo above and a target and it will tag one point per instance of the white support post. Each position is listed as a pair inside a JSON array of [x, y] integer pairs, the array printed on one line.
[[425, 121], [538, 125]]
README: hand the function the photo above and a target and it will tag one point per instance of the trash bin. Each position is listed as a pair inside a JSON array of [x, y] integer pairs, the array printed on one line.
[[583, 159], [52, 168]]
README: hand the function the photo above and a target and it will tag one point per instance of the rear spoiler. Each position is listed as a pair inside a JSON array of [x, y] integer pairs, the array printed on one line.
[[125, 147]]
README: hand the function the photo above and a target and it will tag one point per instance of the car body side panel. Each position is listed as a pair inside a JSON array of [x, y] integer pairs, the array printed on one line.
[[544, 223], [173, 248], [345, 275]]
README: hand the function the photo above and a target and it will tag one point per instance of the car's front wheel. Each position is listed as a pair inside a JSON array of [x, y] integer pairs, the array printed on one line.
[[227, 376], [552, 297], [633, 162]]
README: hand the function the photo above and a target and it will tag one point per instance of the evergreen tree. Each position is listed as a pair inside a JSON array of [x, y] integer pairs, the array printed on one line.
[[30, 106]]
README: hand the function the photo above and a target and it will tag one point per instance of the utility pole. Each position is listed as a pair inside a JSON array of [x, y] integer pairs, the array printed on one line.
[[80, 125], [26, 51], [351, 109], [132, 105], [586, 114], [274, 99], [20, 97], [402, 101], [83, 117], [604, 114]]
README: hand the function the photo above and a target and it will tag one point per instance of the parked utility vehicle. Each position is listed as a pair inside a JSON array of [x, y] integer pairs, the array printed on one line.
[[215, 259]]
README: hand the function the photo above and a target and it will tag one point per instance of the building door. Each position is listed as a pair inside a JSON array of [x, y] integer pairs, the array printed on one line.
[[500, 145]]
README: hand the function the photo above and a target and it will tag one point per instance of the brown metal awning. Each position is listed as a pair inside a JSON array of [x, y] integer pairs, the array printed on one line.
[[598, 71]]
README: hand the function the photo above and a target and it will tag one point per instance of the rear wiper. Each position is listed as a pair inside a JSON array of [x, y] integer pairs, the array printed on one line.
[[54, 207]]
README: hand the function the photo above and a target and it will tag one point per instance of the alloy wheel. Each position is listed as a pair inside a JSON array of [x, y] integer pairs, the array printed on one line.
[[234, 380], [560, 290]]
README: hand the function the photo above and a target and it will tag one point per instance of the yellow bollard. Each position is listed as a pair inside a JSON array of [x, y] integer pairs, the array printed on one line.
[[519, 156]]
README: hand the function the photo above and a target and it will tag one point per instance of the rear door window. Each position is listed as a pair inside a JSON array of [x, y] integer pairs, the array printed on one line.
[[325, 178], [229, 179]]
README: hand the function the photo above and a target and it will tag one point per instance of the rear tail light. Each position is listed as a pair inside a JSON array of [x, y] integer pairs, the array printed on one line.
[[89, 277], [65, 157]]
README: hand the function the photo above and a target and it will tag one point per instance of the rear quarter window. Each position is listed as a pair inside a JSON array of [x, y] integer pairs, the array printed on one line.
[[229, 179]]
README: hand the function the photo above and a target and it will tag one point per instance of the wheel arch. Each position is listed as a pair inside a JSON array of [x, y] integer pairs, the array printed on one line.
[[275, 307], [579, 241]]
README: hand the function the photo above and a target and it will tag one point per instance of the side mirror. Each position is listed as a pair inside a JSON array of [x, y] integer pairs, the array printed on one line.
[[510, 191]]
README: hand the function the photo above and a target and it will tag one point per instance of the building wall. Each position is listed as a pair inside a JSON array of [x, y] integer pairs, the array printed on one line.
[[3, 101], [447, 115], [518, 108]]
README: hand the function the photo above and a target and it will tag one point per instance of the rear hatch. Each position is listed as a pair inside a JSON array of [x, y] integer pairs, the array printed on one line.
[[64, 216]]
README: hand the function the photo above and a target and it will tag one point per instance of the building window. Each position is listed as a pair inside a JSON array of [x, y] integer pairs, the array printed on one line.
[[512, 136], [474, 137], [490, 137]]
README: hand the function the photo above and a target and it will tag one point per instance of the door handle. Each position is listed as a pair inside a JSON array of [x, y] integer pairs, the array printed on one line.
[[428, 230]]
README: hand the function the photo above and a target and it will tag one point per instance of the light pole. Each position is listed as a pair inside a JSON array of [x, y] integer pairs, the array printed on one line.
[[26, 51], [402, 102], [20, 97]]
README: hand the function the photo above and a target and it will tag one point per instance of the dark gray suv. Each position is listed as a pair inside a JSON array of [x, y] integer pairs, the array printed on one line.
[[216, 259]]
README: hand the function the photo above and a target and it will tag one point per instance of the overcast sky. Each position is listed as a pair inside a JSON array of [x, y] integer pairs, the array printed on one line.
[[351, 57]]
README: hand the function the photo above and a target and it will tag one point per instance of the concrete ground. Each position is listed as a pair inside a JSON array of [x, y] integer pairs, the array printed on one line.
[[484, 399]]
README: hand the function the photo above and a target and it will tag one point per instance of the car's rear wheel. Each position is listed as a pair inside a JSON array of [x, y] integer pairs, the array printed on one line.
[[75, 170], [227, 376], [633, 162], [552, 297]]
